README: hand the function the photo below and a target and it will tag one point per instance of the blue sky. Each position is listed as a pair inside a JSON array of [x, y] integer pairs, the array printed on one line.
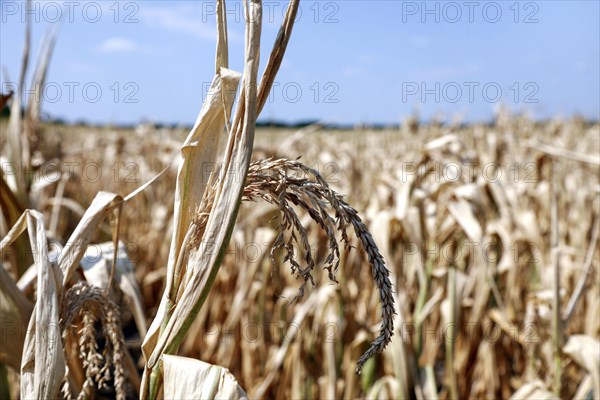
[[347, 62]]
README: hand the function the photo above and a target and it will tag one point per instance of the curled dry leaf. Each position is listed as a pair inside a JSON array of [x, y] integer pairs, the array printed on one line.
[[183, 375], [43, 362]]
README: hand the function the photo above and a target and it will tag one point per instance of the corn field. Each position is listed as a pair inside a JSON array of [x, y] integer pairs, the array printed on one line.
[[234, 262]]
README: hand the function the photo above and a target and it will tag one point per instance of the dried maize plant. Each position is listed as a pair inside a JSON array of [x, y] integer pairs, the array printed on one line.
[[66, 308], [206, 210], [34, 344], [491, 233], [23, 130], [21, 138]]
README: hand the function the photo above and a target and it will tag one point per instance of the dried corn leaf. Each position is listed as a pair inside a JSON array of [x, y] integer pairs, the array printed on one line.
[[187, 378], [199, 154], [96, 265], [532, 391], [464, 216], [83, 234], [16, 143], [585, 351], [41, 70], [15, 311], [43, 362]]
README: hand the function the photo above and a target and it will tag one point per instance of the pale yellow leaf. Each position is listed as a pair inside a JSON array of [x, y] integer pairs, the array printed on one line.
[[187, 378]]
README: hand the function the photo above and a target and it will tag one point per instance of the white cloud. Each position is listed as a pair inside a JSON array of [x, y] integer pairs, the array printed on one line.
[[184, 19], [117, 45], [444, 72]]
